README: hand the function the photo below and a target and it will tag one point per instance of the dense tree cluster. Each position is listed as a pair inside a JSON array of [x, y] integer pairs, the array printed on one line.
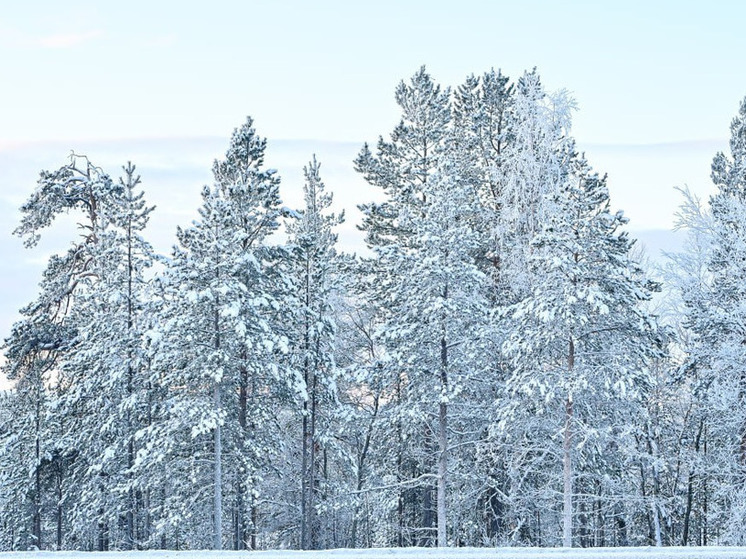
[[490, 373]]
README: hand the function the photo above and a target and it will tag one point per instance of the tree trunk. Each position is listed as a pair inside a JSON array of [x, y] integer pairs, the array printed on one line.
[[59, 508], [36, 528], [399, 467], [308, 460], [428, 521], [361, 470], [567, 477], [129, 533], [690, 489], [217, 507], [567, 460], [583, 531], [217, 487], [304, 476], [688, 512], [656, 509], [103, 536], [704, 497], [253, 524], [443, 446], [656, 523], [164, 540], [240, 522], [103, 524], [313, 532], [599, 538], [58, 467], [309, 531]]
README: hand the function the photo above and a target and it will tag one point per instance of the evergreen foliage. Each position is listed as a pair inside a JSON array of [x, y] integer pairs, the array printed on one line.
[[491, 372]]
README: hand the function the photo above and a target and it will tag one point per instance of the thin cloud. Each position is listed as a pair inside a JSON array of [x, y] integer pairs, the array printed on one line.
[[67, 40], [160, 41], [710, 145]]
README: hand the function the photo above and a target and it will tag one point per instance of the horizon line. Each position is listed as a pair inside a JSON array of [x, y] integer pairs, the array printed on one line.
[[11, 144]]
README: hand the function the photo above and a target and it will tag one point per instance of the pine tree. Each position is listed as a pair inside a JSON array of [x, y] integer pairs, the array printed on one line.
[[441, 309], [57, 335], [484, 123], [430, 288], [403, 168], [104, 378], [514, 135], [313, 267], [580, 340], [215, 346], [717, 321]]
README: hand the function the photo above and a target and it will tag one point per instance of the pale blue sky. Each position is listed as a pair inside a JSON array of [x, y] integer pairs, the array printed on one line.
[[165, 83], [642, 72]]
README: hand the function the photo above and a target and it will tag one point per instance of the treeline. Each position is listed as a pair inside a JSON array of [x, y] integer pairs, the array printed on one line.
[[494, 373]]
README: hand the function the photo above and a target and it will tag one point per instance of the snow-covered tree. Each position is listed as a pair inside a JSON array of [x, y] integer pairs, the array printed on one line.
[[403, 168], [56, 351], [313, 268], [580, 341], [687, 284], [515, 136], [430, 290], [491, 373], [437, 333], [484, 122], [214, 349], [362, 393], [532, 170], [716, 316], [103, 382]]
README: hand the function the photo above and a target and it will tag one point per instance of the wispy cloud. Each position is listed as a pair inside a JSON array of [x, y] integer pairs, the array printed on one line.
[[709, 145], [67, 40], [159, 41]]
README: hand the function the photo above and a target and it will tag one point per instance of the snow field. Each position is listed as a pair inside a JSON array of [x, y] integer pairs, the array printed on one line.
[[410, 553]]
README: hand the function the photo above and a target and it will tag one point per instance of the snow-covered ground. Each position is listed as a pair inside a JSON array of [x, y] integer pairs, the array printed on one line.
[[412, 553]]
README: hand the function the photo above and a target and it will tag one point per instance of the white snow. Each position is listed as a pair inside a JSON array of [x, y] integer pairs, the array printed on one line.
[[411, 553]]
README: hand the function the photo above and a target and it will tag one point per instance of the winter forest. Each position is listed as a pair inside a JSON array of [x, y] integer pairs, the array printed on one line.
[[500, 367]]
